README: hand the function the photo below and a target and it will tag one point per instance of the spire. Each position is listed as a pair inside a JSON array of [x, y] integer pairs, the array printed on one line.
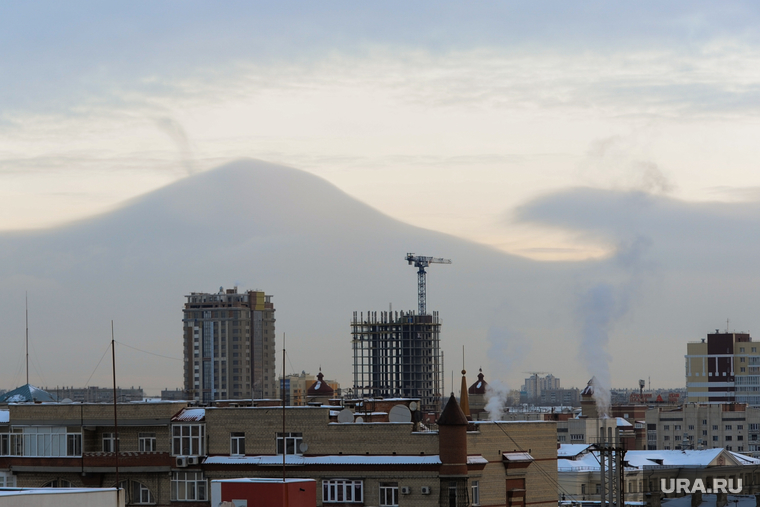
[[464, 400]]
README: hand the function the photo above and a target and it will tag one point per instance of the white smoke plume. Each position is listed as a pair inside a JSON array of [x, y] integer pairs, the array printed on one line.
[[496, 396], [599, 308], [177, 134]]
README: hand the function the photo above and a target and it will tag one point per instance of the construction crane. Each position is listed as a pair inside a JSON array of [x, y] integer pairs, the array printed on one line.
[[421, 263]]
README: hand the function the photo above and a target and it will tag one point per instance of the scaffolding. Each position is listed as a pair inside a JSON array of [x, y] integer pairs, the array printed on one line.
[[398, 355]]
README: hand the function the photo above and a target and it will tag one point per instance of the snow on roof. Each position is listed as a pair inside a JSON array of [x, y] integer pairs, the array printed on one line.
[[710, 501], [641, 459], [476, 460], [744, 460], [266, 480], [623, 422], [571, 450], [341, 459], [5, 416], [190, 414], [51, 491], [517, 456]]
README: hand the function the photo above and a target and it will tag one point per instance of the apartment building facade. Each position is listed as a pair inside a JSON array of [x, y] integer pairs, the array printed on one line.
[[723, 368], [732, 426], [229, 345]]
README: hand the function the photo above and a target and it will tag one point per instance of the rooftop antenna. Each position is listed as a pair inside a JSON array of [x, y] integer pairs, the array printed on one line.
[[26, 301]]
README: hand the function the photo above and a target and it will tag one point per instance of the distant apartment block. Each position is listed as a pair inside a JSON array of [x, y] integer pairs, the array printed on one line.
[[95, 394], [732, 426], [723, 368], [229, 345], [535, 385], [173, 394]]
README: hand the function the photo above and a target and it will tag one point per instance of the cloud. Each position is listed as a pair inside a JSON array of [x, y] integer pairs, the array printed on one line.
[[177, 134]]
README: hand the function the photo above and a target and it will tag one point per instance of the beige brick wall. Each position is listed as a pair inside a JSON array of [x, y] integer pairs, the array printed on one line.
[[261, 426], [537, 438]]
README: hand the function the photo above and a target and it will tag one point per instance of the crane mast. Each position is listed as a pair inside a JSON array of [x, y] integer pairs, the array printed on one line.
[[421, 262]]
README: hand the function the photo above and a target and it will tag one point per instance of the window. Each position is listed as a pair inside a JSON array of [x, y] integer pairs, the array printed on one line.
[[677, 427], [753, 427], [58, 483], [666, 437], [704, 433], [7, 480], [728, 438], [728, 448], [740, 437], [475, 493], [704, 422], [728, 427], [237, 444], [691, 427], [583, 489], [739, 426], [188, 486], [342, 490], [389, 494], [137, 493], [41, 441], [187, 439], [576, 437], [146, 442], [667, 427], [292, 443], [715, 427], [109, 443], [715, 438]]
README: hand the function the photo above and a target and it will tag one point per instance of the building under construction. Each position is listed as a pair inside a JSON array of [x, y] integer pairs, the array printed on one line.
[[398, 354]]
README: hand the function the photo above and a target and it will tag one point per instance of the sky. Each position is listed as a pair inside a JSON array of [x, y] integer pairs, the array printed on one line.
[[523, 126]]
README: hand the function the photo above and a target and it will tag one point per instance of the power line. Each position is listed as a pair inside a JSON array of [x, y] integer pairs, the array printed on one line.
[[96, 367], [147, 352]]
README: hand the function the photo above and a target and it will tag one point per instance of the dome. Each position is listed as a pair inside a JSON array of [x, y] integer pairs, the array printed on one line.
[[480, 386], [320, 387]]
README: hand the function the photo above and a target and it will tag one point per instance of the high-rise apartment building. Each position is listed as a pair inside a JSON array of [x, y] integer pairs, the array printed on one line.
[[723, 368], [229, 345]]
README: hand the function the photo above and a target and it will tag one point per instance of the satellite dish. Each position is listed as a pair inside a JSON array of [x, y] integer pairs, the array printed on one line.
[[345, 416], [413, 406], [303, 447], [400, 414], [360, 419]]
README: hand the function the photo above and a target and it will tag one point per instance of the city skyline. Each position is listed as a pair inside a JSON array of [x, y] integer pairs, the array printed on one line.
[[590, 170]]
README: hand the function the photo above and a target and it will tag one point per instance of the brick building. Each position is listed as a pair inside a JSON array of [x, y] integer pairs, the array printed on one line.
[[170, 451]]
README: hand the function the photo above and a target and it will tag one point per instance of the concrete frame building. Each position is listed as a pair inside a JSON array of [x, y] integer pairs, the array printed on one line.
[[398, 355], [229, 345], [723, 368]]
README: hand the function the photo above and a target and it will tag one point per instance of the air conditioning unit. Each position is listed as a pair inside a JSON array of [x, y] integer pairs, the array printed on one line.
[[405, 490], [425, 490], [181, 461], [193, 460]]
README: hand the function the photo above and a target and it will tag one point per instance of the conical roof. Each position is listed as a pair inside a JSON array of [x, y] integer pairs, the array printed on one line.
[[452, 415]]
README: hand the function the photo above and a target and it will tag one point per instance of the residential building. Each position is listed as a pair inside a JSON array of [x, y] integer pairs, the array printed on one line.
[[579, 473], [170, 451], [229, 345], [732, 426], [535, 385], [296, 386], [398, 354], [95, 394], [723, 368]]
